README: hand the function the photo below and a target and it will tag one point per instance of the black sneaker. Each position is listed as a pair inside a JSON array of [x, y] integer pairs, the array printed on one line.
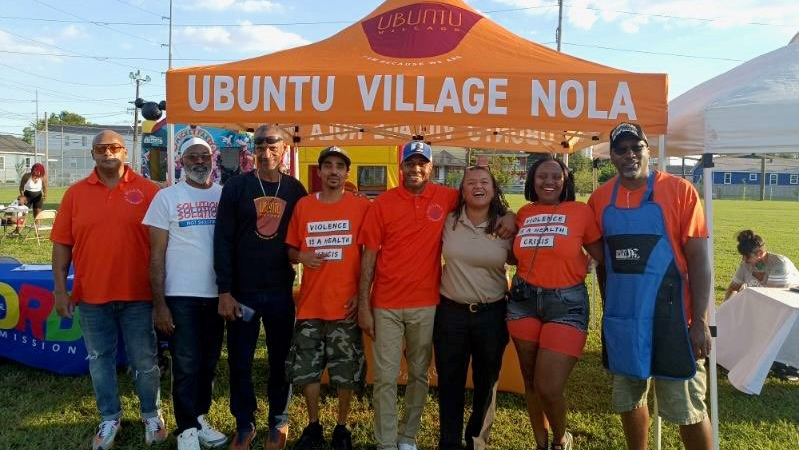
[[342, 438], [311, 437]]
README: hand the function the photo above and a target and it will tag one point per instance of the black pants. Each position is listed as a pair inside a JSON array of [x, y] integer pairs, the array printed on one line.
[[276, 311], [195, 346], [458, 336]]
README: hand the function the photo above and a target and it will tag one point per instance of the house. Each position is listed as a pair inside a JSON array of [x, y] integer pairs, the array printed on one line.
[[16, 158], [740, 177], [448, 165], [70, 150], [747, 170]]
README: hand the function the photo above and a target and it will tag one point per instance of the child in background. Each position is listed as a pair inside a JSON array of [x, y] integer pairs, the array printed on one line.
[[15, 213]]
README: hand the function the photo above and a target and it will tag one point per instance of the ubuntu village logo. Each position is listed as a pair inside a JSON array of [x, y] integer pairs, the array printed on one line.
[[419, 30]]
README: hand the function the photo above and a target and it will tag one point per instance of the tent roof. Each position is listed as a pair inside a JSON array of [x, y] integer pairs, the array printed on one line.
[[751, 108], [433, 68]]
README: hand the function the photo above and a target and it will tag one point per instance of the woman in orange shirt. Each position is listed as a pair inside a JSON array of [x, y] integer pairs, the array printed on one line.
[[548, 312]]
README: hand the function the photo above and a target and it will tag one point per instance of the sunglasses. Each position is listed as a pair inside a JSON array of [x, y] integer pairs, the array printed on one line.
[[195, 157], [100, 149], [623, 150], [259, 141]]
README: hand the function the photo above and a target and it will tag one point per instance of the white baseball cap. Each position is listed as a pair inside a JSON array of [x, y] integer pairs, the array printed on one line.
[[194, 141]]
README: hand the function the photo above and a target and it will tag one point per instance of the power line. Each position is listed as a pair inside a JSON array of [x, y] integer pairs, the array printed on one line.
[[62, 81], [98, 24], [681, 55], [139, 8], [124, 58]]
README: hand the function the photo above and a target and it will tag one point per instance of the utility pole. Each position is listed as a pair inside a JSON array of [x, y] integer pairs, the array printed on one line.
[[762, 177], [46, 141], [137, 78], [170, 146], [560, 23]]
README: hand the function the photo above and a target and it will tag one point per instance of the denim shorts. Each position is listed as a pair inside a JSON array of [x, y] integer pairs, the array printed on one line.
[[569, 306]]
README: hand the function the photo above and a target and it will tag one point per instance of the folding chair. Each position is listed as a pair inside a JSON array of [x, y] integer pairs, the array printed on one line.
[[11, 218], [42, 222]]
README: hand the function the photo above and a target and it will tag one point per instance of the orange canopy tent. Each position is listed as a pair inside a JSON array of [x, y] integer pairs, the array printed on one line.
[[413, 68]]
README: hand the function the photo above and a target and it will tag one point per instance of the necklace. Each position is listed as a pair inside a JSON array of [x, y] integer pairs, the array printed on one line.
[[260, 183]]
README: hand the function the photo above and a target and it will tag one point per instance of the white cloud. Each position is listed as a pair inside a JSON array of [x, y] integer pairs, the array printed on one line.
[[247, 38], [12, 44], [72, 32], [584, 14], [248, 6]]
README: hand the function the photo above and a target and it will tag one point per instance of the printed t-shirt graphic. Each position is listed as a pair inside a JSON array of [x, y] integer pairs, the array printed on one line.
[[554, 236], [331, 231], [189, 214], [268, 210]]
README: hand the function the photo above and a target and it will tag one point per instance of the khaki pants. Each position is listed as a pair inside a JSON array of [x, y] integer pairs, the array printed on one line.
[[415, 325]]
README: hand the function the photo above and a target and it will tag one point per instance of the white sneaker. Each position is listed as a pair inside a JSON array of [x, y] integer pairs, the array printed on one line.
[[406, 446], [188, 440], [209, 437], [154, 429], [104, 439]]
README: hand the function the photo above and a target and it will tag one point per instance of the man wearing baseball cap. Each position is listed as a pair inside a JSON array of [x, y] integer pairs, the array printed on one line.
[[322, 236], [402, 256], [181, 220], [656, 290]]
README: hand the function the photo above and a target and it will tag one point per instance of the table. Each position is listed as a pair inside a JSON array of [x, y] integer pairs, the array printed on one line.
[[756, 327], [31, 332]]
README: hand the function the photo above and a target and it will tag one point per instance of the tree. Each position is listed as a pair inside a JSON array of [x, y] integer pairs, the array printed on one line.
[[62, 118], [499, 165]]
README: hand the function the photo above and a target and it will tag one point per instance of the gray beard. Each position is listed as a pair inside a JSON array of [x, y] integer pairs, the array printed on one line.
[[199, 177]]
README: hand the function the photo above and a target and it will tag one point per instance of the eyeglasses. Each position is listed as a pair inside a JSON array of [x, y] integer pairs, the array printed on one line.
[[259, 141], [623, 150], [195, 157], [100, 149]]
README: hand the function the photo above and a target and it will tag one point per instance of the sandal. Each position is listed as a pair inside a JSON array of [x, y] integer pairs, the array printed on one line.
[[566, 442]]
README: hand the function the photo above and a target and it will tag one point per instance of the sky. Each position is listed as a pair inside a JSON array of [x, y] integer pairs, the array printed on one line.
[[79, 54]]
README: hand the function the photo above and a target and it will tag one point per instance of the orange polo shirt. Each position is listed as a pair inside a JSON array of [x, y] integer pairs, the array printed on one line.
[[110, 246], [406, 231]]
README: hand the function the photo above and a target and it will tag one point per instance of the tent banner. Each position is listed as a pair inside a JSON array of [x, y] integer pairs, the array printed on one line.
[[547, 101]]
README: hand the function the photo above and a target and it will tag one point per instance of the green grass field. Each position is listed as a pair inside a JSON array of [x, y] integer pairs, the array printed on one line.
[[44, 411]]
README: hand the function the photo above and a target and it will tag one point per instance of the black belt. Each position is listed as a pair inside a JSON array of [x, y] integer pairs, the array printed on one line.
[[474, 307]]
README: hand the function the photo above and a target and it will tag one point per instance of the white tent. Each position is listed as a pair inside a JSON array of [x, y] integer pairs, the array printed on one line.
[[752, 108]]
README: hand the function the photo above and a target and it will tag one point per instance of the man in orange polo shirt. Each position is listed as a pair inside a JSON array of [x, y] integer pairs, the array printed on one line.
[[98, 229], [402, 254]]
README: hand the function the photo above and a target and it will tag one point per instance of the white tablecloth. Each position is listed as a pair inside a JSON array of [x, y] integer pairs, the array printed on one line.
[[756, 327]]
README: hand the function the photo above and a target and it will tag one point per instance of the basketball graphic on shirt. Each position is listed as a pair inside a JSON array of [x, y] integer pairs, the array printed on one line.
[[435, 212], [269, 211], [134, 196]]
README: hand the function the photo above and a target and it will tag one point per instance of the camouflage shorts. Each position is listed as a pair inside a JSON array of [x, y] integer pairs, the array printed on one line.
[[335, 344]]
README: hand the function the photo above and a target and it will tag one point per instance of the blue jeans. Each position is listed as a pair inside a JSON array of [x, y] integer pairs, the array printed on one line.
[[195, 345], [276, 311], [101, 326]]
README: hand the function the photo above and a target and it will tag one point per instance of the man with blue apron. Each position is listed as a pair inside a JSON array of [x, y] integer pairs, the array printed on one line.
[[655, 242]]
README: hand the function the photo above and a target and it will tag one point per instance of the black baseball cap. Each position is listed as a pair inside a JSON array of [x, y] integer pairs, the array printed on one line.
[[626, 129], [334, 151]]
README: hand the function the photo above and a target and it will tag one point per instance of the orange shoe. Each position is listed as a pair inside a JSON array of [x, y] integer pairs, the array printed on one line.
[[242, 439], [276, 440]]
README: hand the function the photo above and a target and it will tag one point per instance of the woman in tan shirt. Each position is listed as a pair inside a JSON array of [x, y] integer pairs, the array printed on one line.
[[470, 320]]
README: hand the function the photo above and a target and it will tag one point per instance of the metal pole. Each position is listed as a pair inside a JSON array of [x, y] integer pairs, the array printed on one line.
[[46, 137], [135, 123], [560, 23], [62, 153], [170, 149], [662, 158], [762, 177], [707, 160]]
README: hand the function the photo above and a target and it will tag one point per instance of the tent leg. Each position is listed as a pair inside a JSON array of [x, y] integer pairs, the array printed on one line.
[[662, 153], [707, 181], [170, 155], [658, 422]]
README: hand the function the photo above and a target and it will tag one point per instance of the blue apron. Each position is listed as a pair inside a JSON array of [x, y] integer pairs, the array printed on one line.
[[644, 331]]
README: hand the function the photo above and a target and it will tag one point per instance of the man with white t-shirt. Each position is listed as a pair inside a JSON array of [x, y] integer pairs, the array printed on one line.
[[181, 220]]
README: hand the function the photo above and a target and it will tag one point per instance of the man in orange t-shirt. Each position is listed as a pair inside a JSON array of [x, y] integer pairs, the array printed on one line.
[[666, 207], [323, 236], [98, 229]]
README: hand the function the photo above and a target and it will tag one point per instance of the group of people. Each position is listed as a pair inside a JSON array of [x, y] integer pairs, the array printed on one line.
[[32, 194], [194, 259]]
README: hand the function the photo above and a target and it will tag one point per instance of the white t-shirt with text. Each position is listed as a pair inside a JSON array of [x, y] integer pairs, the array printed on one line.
[[189, 214]]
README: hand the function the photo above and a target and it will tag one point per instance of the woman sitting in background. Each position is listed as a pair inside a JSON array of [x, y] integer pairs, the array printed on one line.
[[760, 268]]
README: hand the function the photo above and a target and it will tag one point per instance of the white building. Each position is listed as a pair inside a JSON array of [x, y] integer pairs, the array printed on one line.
[[16, 159]]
